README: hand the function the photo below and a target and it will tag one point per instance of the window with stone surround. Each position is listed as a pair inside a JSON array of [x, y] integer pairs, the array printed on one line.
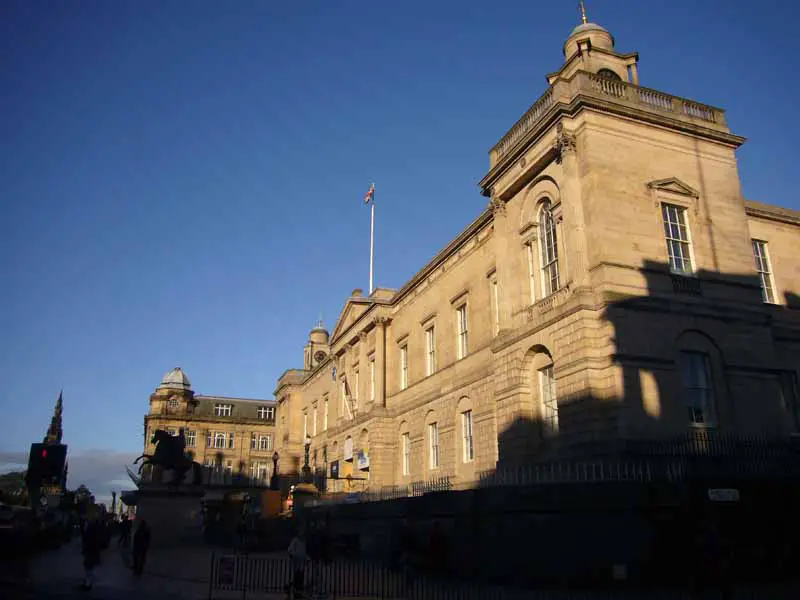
[[223, 410], [462, 347], [266, 412], [698, 388], [325, 414], [548, 250], [173, 404], [219, 440], [494, 298], [265, 442], [314, 420], [467, 440], [433, 444], [403, 366], [253, 441], [191, 438], [305, 424], [406, 449], [676, 232], [372, 378], [530, 255], [356, 389], [764, 271], [547, 390], [259, 471], [430, 350]]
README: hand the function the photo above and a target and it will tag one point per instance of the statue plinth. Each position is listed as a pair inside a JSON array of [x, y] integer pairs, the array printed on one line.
[[173, 512]]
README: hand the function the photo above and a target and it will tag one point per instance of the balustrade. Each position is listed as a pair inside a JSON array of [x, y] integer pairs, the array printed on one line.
[[583, 82]]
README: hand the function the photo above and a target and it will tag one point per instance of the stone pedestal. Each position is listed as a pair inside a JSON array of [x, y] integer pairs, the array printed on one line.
[[173, 514]]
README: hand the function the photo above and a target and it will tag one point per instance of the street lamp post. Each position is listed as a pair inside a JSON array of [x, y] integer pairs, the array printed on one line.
[[306, 466], [274, 482]]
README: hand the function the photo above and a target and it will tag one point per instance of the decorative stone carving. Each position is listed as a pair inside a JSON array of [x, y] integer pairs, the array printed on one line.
[[381, 321], [498, 206], [565, 142], [362, 335]]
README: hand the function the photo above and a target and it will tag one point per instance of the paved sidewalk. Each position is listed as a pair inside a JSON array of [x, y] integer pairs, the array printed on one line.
[[182, 573]]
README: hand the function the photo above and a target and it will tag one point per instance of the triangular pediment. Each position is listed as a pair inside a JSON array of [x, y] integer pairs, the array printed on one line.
[[351, 312], [674, 186]]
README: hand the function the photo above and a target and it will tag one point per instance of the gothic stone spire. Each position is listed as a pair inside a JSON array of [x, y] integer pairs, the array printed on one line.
[[54, 432]]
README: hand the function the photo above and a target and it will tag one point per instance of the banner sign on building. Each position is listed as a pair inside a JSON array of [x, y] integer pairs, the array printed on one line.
[[363, 461], [348, 449]]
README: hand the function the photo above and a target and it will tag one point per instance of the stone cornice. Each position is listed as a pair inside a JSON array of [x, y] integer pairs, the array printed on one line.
[[483, 219], [771, 212], [209, 419]]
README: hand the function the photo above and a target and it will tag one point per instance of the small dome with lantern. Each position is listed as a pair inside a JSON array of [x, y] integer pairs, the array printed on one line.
[[597, 36]]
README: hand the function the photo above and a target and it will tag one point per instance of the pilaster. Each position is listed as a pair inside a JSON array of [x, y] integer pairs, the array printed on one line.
[[504, 272], [571, 221], [380, 360]]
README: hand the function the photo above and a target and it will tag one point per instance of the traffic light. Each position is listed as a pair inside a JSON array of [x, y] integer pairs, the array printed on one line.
[[46, 464]]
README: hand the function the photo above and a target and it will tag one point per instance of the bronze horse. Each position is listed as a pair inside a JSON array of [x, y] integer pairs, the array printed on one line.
[[170, 453]]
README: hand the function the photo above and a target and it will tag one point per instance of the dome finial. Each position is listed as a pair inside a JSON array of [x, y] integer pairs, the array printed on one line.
[[584, 19]]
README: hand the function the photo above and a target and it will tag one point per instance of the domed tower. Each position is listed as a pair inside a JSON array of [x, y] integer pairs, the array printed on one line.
[[317, 348], [590, 47], [173, 395]]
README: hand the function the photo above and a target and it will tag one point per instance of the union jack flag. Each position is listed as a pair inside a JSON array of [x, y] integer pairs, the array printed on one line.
[[370, 195]]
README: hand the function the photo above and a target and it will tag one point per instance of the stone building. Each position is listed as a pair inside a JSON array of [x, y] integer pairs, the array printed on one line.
[[235, 435], [617, 288]]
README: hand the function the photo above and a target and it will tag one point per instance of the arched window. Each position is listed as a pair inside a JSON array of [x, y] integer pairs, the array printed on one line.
[[609, 74], [543, 388], [432, 438], [219, 440], [549, 249]]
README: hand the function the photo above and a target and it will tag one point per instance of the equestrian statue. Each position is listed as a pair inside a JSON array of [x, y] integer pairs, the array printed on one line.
[[170, 454]]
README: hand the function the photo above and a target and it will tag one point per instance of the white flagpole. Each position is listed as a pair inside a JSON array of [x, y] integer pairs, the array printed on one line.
[[371, 238]]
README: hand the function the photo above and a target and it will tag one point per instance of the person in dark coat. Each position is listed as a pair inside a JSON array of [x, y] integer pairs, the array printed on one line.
[[125, 531], [91, 547], [141, 544]]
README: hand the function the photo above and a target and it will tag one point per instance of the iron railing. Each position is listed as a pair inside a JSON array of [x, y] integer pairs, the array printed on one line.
[[353, 579]]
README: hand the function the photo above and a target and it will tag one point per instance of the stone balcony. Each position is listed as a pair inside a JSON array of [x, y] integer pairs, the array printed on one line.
[[602, 93]]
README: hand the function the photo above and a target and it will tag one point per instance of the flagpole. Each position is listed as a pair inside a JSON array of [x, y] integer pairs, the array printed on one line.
[[371, 238]]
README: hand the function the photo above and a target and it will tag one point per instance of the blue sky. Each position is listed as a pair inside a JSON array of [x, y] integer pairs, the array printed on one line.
[[181, 183]]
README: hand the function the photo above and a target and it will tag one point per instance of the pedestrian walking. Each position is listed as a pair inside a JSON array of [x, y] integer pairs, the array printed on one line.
[[91, 547], [141, 544], [298, 557], [125, 531]]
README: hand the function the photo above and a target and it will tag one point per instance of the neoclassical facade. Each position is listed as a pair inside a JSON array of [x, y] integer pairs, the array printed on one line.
[[617, 287], [234, 435]]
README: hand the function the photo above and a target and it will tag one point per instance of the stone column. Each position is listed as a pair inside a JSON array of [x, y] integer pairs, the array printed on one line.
[[380, 360], [574, 260]]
